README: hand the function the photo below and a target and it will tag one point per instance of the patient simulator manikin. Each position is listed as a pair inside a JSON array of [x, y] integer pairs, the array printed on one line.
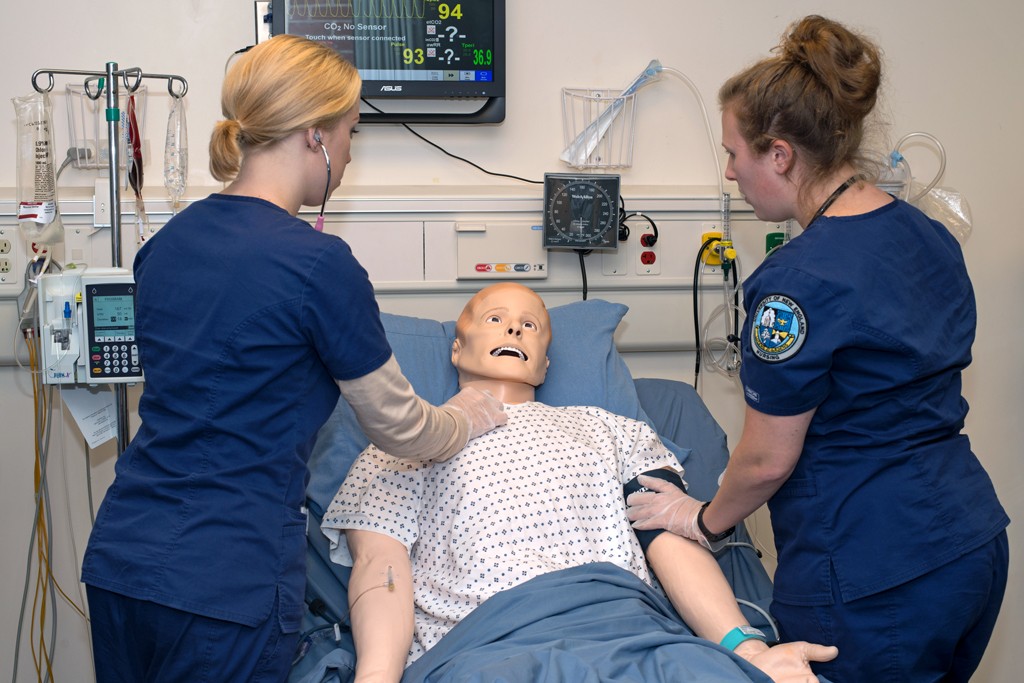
[[397, 523]]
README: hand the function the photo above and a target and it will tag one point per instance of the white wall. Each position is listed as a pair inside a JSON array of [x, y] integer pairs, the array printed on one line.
[[953, 71]]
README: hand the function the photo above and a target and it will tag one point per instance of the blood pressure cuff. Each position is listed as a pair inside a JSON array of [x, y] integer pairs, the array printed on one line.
[[645, 536]]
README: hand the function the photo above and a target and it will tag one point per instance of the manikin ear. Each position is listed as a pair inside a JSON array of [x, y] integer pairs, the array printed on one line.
[[456, 348], [782, 156]]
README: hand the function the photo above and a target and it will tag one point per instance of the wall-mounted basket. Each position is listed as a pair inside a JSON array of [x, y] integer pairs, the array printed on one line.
[[598, 128]]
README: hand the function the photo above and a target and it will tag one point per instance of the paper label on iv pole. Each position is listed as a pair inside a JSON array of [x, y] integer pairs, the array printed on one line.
[[94, 412], [37, 212]]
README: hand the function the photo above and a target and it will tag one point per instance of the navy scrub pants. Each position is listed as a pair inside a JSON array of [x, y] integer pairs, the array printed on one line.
[[136, 640], [933, 628]]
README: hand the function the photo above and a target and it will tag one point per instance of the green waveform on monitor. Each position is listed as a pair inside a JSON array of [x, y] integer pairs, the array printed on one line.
[[358, 9]]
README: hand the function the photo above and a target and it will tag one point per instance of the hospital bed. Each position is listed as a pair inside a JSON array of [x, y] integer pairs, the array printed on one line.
[[583, 604]]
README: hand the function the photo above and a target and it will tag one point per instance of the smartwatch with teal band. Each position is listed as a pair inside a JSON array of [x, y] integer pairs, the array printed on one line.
[[739, 634]]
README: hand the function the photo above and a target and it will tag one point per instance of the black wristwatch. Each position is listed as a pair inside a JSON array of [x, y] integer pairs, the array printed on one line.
[[712, 538]]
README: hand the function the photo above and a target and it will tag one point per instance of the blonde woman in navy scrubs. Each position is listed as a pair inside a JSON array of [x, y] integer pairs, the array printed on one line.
[[891, 541], [250, 323]]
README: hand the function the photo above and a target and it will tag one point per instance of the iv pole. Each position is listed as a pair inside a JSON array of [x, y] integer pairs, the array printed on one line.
[[110, 78]]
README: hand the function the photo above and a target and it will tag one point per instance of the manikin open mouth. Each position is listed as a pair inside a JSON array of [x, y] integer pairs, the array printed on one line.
[[509, 351]]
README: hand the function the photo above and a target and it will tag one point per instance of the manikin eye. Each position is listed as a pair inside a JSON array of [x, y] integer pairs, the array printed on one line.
[[530, 326], [493, 319]]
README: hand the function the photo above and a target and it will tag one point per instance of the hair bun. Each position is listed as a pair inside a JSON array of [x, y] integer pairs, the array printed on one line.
[[848, 64]]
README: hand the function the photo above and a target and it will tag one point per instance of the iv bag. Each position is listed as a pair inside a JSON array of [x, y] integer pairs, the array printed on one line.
[[949, 207], [176, 153], [38, 212]]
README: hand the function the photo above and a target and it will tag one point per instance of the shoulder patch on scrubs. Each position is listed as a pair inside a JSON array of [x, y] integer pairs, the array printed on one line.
[[779, 329]]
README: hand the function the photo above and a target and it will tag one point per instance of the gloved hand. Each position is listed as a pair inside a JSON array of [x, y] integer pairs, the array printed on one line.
[[666, 507], [790, 662], [482, 411]]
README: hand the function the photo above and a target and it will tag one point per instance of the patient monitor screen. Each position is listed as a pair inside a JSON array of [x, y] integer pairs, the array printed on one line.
[[412, 48]]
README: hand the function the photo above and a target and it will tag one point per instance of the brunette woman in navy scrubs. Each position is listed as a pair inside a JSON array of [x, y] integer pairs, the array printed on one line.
[[891, 541]]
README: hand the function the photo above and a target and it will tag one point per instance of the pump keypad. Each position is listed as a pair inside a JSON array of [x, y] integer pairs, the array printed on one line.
[[114, 356]]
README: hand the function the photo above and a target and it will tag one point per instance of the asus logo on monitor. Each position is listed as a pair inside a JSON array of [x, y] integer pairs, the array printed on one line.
[[391, 88]]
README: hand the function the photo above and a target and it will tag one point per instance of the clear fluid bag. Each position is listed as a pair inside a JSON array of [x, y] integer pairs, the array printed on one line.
[[38, 210], [176, 153], [950, 208]]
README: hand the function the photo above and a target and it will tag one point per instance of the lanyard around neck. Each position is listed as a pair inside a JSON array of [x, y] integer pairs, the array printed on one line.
[[832, 198]]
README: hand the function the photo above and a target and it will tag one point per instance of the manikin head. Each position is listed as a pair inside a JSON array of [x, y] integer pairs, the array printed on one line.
[[501, 342]]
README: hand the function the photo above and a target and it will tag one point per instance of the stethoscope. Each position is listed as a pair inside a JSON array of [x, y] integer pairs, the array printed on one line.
[[319, 227]]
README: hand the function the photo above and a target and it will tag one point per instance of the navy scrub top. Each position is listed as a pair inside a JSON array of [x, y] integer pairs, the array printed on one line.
[[245, 318], [869, 319]]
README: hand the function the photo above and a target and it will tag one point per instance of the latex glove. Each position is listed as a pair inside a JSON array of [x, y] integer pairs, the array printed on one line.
[[790, 662], [665, 506], [482, 411]]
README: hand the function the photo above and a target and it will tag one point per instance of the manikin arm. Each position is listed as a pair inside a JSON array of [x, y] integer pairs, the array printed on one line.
[[698, 590], [380, 605], [769, 449]]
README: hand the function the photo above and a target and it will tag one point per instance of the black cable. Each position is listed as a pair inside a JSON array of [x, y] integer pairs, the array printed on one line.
[[696, 315], [239, 51], [583, 269], [735, 306], [650, 222], [455, 156], [623, 217]]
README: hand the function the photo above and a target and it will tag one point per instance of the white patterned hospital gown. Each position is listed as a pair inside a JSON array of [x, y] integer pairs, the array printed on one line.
[[538, 494]]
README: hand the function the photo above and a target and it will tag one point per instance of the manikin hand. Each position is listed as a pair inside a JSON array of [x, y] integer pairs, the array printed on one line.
[[665, 506], [482, 411], [789, 662]]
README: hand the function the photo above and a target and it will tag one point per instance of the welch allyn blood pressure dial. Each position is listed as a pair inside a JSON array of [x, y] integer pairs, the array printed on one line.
[[581, 211]]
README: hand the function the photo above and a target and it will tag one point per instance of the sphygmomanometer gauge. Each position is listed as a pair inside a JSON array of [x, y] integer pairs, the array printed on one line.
[[581, 211]]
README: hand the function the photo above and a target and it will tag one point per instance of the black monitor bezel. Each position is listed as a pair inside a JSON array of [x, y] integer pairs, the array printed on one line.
[[491, 95]]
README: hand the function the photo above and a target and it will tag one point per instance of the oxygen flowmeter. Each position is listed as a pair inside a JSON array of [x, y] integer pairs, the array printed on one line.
[[87, 327]]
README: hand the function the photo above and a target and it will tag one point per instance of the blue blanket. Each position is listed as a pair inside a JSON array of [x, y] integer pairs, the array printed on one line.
[[591, 623]]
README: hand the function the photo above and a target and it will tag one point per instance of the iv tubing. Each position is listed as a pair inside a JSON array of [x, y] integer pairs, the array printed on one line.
[[707, 123], [942, 162]]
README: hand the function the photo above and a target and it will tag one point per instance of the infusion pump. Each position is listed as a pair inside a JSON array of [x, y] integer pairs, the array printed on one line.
[[87, 327]]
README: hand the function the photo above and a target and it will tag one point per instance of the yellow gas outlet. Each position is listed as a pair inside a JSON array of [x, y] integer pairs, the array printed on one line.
[[710, 256]]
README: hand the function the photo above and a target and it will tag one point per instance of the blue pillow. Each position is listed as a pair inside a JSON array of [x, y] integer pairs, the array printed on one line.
[[586, 369]]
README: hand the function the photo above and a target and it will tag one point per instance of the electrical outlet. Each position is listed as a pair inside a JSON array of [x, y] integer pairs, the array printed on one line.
[[10, 260], [101, 204], [710, 231], [647, 251]]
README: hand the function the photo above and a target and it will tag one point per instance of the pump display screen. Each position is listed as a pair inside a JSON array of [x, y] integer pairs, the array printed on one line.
[[113, 317], [408, 48]]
